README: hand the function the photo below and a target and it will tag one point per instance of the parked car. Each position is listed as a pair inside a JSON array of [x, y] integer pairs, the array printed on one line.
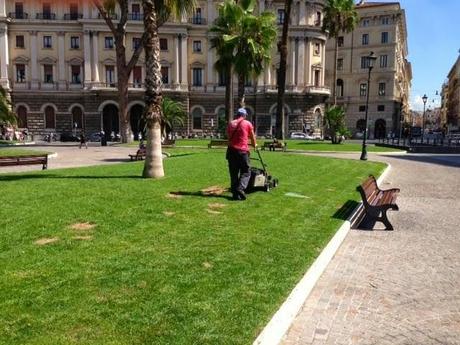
[[298, 135], [96, 137], [68, 136]]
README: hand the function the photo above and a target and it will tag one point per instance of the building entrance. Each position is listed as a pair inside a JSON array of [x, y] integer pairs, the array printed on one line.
[[110, 121], [136, 121]]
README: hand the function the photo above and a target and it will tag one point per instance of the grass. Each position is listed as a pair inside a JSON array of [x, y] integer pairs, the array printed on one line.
[[13, 151], [157, 269], [303, 145]]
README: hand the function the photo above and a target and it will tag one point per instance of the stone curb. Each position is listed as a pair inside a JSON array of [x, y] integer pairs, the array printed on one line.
[[281, 321]]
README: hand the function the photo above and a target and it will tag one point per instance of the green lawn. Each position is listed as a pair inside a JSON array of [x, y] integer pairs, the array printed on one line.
[[13, 151], [293, 144], [158, 268]]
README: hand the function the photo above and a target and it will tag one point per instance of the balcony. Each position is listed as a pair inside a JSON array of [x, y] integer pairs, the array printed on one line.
[[73, 16], [197, 21], [136, 16], [110, 15], [18, 15], [319, 90], [46, 16]]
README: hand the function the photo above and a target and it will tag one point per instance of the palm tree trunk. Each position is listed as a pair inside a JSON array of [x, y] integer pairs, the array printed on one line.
[[241, 81], [229, 93], [153, 166], [282, 48]]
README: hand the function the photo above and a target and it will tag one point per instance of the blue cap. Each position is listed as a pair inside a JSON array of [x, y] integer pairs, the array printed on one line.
[[242, 112]]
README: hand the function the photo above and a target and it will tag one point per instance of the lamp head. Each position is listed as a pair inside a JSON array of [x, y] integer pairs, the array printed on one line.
[[424, 99], [371, 60]]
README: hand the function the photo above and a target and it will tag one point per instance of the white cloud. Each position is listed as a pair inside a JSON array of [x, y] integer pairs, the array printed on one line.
[[416, 102]]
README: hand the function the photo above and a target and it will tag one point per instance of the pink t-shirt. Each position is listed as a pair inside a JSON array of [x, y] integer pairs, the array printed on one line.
[[239, 134]]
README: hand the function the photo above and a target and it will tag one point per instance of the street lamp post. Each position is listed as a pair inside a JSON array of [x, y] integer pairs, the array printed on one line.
[[370, 64], [424, 99]]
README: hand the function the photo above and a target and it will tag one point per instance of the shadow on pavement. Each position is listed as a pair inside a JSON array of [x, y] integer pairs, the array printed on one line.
[[440, 159]]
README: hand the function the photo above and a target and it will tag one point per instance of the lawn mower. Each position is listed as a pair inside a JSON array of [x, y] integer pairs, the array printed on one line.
[[260, 178]]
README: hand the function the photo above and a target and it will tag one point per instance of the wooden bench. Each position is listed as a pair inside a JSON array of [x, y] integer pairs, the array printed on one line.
[[273, 145], [140, 155], [24, 160], [377, 202], [168, 143], [218, 143]]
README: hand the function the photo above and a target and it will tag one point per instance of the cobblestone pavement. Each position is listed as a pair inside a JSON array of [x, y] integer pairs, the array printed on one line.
[[401, 286]]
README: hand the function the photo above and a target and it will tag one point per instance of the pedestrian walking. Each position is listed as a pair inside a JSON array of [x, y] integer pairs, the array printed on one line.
[[83, 140]]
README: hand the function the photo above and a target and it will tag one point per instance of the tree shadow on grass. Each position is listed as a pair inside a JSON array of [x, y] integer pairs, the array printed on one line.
[[9, 178], [201, 194]]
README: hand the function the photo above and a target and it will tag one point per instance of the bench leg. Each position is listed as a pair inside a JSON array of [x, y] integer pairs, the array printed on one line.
[[385, 221]]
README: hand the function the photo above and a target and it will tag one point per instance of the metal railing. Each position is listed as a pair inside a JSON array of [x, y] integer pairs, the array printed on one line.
[[46, 16], [18, 15], [135, 16], [110, 15], [197, 21], [73, 16]]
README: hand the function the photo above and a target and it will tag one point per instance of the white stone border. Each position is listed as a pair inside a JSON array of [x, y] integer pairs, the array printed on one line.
[[274, 331]]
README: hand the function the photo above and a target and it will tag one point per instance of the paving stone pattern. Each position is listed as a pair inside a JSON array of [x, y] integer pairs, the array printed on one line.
[[395, 287]]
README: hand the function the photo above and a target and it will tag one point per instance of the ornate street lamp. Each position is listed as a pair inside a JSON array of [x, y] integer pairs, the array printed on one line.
[[370, 64], [424, 99]]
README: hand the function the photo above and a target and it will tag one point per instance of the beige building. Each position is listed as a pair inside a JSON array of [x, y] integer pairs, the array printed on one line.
[[57, 59], [382, 30], [452, 96]]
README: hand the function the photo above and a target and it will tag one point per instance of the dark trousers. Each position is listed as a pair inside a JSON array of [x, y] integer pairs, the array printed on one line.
[[240, 172]]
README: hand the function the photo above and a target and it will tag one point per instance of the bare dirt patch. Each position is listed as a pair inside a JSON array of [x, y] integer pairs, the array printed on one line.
[[174, 195], [207, 265], [213, 211], [82, 226], [216, 205], [84, 238], [214, 190], [43, 241], [169, 213]]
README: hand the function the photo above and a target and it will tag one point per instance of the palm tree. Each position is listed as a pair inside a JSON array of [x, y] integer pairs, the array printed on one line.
[[339, 16], [7, 117], [281, 80], [156, 12], [124, 66], [173, 115]]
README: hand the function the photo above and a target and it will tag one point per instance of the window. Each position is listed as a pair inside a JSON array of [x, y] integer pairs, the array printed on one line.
[[110, 76], [165, 75], [339, 64], [197, 118], [382, 87], [163, 44], [318, 19], [365, 39], [197, 18], [76, 74], [384, 37], [48, 74], [364, 62], [47, 11], [197, 46], [222, 79], [22, 116], [340, 41], [197, 76], [75, 42], [19, 10], [280, 16], [73, 11], [47, 42], [137, 76], [136, 42], [317, 49], [383, 61], [339, 90], [365, 22], [77, 117], [135, 12], [19, 41], [317, 76], [361, 123], [385, 20], [20, 73], [380, 107], [50, 121], [109, 43], [363, 89], [362, 108]]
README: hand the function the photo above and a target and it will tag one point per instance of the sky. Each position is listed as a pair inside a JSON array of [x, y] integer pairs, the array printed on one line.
[[434, 41]]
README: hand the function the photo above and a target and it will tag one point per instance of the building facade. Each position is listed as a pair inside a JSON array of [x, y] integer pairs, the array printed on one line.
[[57, 59], [381, 30], [451, 91]]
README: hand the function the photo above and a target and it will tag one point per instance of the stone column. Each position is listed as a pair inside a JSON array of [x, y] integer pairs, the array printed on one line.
[[86, 10], [2, 8], [176, 70], [4, 59], [323, 62], [308, 62], [62, 77], [302, 13], [210, 70], [261, 6], [184, 63], [95, 64], [293, 67], [301, 63], [210, 12], [87, 57], [34, 60]]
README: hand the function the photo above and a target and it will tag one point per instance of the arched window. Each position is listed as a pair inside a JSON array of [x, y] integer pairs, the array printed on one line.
[[77, 118], [318, 118], [361, 125], [22, 117], [197, 116], [50, 120], [339, 90]]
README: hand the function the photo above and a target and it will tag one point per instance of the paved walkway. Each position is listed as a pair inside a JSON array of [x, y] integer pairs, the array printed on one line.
[[395, 287]]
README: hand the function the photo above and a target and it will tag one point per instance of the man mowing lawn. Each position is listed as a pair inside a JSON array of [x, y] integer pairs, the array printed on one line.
[[238, 132]]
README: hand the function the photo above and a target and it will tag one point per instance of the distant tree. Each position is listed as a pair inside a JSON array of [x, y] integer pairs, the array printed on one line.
[[7, 117], [335, 121], [173, 115], [339, 16]]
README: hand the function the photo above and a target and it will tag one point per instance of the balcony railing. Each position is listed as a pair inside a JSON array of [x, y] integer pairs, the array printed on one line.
[[18, 15], [73, 16], [110, 15], [46, 16], [197, 20], [135, 16]]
